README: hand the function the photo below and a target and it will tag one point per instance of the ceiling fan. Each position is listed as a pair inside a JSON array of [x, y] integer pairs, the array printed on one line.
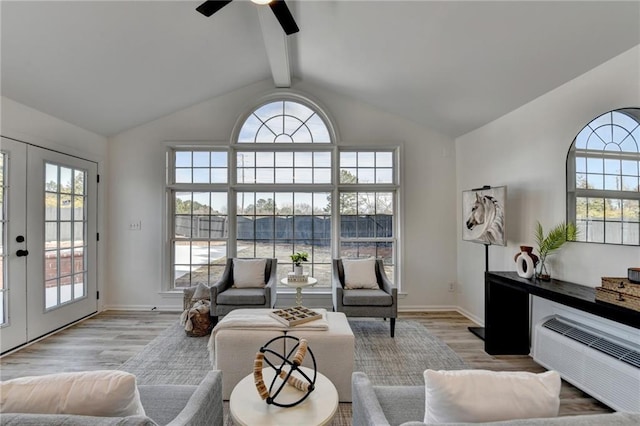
[[278, 7]]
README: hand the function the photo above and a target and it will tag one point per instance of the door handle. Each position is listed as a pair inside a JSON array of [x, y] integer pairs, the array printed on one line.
[[21, 253]]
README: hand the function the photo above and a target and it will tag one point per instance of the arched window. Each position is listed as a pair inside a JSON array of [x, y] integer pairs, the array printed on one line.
[[603, 179], [283, 185], [284, 121]]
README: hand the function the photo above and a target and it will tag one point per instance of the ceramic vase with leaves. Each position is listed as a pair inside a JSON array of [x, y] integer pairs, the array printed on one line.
[[297, 259], [549, 243]]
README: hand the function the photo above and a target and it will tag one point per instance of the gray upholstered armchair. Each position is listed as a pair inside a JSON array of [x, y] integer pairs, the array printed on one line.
[[375, 302], [225, 297]]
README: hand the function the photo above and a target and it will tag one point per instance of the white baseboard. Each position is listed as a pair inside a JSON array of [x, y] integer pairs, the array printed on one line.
[[474, 318], [165, 308]]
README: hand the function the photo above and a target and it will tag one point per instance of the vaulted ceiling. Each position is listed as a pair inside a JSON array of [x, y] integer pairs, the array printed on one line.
[[452, 66]]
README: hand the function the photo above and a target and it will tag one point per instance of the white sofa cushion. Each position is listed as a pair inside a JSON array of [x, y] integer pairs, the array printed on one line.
[[360, 273], [487, 396], [249, 273], [104, 393]]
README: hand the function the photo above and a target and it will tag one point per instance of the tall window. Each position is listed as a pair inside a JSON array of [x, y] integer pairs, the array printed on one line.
[[284, 172], [198, 206], [65, 235], [603, 179], [367, 206]]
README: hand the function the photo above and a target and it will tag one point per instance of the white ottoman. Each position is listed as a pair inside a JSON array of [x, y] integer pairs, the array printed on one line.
[[235, 350], [334, 352]]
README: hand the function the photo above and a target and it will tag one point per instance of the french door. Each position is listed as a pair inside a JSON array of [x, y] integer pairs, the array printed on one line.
[[49, 241]]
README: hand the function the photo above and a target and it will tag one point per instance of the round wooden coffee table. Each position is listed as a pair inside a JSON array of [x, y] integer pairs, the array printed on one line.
[[248, 409]]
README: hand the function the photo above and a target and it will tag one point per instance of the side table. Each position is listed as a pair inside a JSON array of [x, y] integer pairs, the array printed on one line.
[[248, 409], [299, 285]]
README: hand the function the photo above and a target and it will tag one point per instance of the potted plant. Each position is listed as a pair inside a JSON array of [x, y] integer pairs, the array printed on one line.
[[297, 258], [549, 243]]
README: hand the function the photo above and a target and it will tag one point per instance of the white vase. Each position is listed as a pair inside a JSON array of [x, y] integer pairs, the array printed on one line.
[[525, 265], [297, 269]]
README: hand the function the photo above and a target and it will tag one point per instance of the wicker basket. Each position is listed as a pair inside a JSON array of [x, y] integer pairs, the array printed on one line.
[[202, 325]]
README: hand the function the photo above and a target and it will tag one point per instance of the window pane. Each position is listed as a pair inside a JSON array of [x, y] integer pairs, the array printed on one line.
[[348, 159], [51, 176], [366, 159], [303, 159], [284, 159], [322, 159], [322, 176], [218, 175], [201, 159], [366, 175], [183, 175], [284, 175], [201, 176], [384, 176], [384, 159], [183, 159], [219, 159]]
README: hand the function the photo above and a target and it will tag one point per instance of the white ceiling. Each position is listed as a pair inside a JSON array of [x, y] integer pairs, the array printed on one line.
[[452, 66]]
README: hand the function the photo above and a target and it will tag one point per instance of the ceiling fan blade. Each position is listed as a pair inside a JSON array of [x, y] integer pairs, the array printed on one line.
[[210, 7], [284, 16]]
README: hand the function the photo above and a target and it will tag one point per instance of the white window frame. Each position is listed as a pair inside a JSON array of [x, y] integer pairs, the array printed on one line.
[[334, 187]]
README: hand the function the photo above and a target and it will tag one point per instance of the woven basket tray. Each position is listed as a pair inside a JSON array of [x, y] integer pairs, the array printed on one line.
[[621, 285], [615, 298]]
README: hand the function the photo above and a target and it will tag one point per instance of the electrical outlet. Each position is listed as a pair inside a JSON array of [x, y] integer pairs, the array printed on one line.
[[452, 287], [135, 226]]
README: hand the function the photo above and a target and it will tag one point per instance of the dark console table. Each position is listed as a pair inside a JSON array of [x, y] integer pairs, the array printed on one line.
[[506, 315]]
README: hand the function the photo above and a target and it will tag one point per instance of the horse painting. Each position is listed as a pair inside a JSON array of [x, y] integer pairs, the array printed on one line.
[[484, 220]]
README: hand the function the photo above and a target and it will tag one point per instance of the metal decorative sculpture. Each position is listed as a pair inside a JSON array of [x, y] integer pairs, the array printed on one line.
[[284, 368]]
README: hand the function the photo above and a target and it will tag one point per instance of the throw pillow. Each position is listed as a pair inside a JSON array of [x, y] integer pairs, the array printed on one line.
[[249, 272], [360, 273], [105, 393], [202, 292], [488, 396]]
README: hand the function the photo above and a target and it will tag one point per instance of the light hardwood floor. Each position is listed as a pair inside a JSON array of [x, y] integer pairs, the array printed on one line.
[[108, 339]]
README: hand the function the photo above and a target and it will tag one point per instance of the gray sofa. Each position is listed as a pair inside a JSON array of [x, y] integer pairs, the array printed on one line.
[[404, 405], [171, 405]]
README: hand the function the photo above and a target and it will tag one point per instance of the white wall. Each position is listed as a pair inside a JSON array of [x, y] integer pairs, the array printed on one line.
[[526, 150], [136, 170], [31, 126]]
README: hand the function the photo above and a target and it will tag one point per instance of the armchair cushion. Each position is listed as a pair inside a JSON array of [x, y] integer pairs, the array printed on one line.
[[365, 297], [249, 273], [360, 273], [242, 296], [488, 396]]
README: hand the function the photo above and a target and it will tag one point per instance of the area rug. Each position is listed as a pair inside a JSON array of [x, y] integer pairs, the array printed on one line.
[[174, 358]]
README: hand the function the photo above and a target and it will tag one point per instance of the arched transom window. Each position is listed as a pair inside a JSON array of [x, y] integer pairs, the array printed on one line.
[[603, 179], [284, 122]]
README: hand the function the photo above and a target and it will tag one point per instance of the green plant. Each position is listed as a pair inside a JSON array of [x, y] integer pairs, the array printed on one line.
[[552, 241], [298, 257]]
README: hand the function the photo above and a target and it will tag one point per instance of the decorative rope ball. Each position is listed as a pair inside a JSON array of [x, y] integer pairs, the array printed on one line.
[[284, 366]]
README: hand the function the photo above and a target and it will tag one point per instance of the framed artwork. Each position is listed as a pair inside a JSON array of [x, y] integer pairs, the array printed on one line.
[[483, 215]]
